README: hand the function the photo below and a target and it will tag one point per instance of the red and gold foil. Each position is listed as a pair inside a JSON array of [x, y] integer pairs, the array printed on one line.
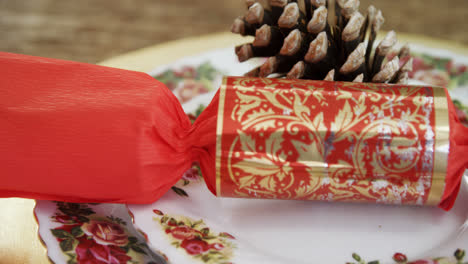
[[332, 141]]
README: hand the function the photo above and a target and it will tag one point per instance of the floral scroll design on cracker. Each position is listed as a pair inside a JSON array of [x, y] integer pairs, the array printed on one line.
[[286, 147]]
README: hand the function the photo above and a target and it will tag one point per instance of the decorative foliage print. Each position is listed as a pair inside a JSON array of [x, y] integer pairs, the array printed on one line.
[[190, 176], [399, 258], [437, 71], [196, 239], [85, 238], [190, 81], [288, 133]]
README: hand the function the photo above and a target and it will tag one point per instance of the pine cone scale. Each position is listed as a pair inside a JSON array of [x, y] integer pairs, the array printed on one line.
[[301, 42]]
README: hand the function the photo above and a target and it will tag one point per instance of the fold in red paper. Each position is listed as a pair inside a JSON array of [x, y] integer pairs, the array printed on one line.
[[84, 133]]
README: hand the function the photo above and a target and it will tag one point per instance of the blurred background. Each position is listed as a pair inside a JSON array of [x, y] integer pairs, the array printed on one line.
[[94, 30]]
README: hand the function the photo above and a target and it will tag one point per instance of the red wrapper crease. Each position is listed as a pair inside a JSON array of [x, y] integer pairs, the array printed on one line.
[[84, 133]]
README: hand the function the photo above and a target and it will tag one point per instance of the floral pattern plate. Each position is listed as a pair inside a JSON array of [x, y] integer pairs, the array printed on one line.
[[190, 225]]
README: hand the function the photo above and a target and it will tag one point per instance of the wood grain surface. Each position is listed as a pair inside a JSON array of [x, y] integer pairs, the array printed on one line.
[[94, 30]]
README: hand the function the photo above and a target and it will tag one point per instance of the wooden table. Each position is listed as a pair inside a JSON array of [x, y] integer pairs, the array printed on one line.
[[91, 31]]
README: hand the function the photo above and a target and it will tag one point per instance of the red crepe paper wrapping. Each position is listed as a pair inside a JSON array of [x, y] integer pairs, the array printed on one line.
[[84, 133]]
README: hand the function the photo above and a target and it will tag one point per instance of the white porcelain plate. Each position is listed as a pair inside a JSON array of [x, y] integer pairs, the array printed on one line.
[[190, 225]]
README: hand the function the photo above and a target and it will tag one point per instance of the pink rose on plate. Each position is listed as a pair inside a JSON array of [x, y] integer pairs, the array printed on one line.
[[106, 233], [170, 85], [195, 246], [192, 117], [399, 257], [191, 175], [66, 219], [423, 261], [461, 115], [186, 72], [455, 69], [419, 65], [184, 232], [189, 89], [433, 77], [89, 252]]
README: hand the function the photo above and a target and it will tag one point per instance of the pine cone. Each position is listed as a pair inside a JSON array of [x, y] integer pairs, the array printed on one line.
[[301, 43]]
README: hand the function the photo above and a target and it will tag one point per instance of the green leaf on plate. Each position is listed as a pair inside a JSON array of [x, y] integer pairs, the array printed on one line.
[[206, 71], [132, 239], [137, 248], [197, 223], [199, 110], [176, 244], [164, 219], [356, 257], [117, 220], [459, 254], [86, 211], [59, 233], [66, 245], [166, 77], [205, 231], [179, 191], [83, 219], [463, 79], [126, 248], [74, 206], [206, 258], [436, 62], [76, 231]]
